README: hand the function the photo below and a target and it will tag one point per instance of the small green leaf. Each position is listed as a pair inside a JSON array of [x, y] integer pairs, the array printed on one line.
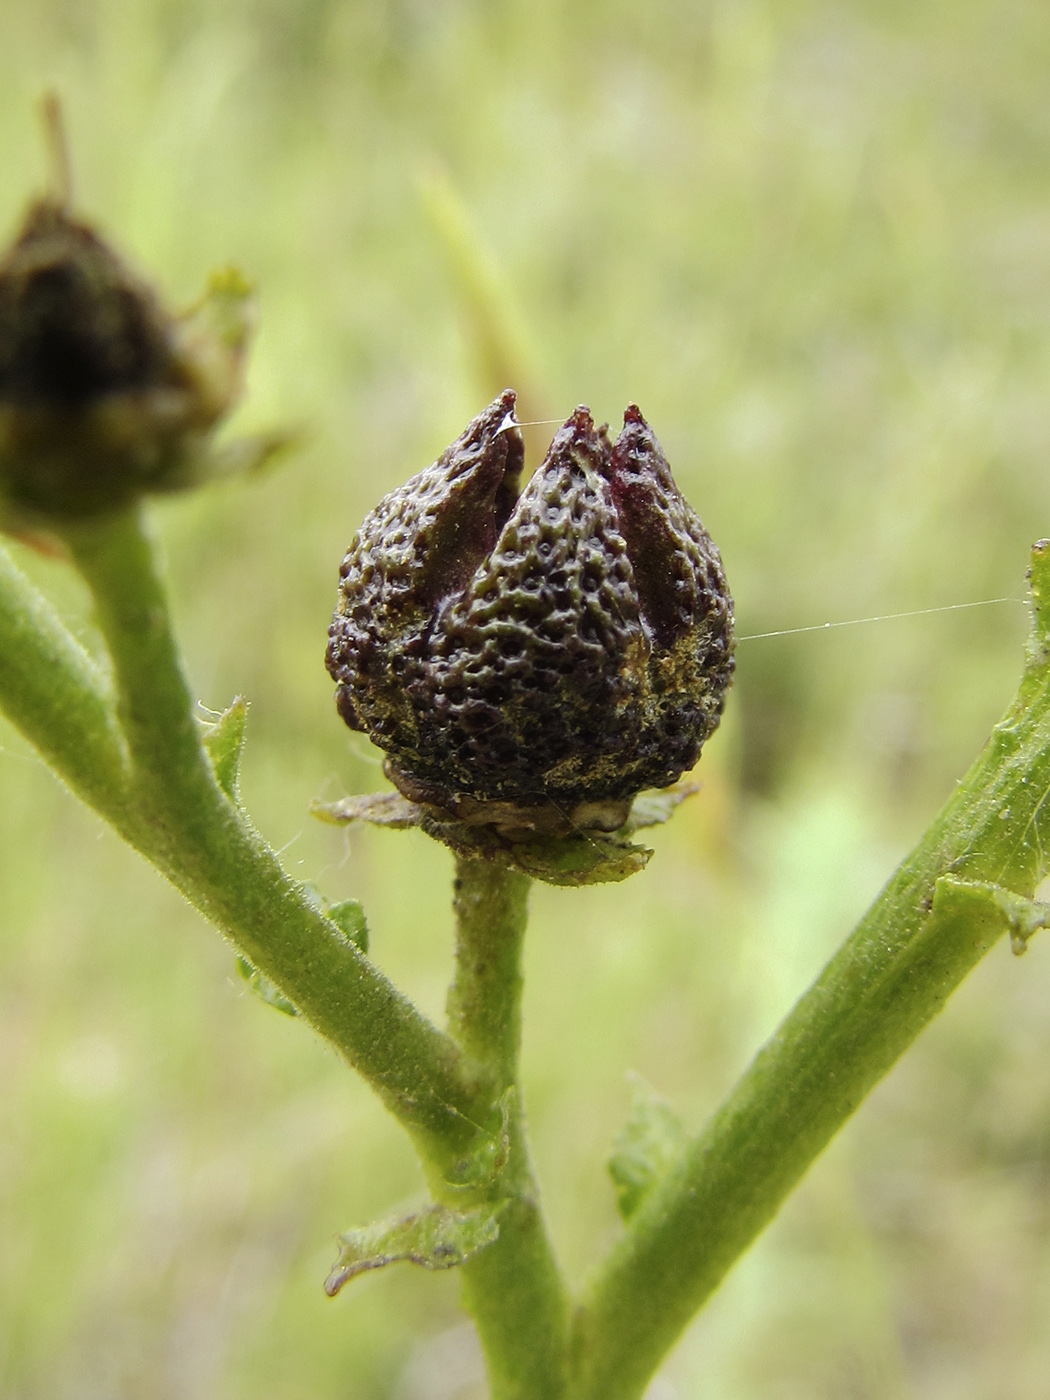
[[582, 858], [646, 1146], [376, 808], [1039, 585], [977, 901], [481, 1168], [224, 742], [579, 860], [244, 456], [264, 988], [225, 313], [349, 917], [656, 807], [435, 1238]]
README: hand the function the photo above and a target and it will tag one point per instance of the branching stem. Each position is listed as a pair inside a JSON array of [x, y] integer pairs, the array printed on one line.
[[933, 922], [133, 751], [129, 746]]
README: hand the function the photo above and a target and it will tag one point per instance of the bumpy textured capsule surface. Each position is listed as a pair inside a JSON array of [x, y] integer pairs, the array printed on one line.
[[572, 643], [103, 394]]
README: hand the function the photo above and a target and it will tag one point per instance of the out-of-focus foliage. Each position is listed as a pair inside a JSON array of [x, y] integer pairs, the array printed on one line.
[[812, 241]]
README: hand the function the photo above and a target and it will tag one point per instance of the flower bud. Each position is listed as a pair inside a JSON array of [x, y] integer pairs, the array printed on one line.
[[103, 394], [571, 645]]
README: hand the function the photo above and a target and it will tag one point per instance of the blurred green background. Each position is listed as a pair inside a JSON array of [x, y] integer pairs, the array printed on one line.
[[813, 242]]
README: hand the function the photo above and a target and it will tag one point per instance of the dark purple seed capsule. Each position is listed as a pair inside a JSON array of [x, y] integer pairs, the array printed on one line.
[[571, 643]]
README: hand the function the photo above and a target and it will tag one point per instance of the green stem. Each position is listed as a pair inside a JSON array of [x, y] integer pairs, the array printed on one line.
[[181, 819], [56, 695], [484, 1001], [134, 753], [154, 704], [513, 1289], [890, 979]]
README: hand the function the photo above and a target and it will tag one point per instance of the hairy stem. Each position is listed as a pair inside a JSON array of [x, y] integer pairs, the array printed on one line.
[[130, 747], [484, 1001], [893, 975], [56, 695], [513, 1289], [137, 758]]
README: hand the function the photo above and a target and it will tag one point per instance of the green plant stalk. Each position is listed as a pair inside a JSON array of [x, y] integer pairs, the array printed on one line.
[[484, 1000], [915, 945], [56, 695], [132, 750], [513, 1289], [140, 762]]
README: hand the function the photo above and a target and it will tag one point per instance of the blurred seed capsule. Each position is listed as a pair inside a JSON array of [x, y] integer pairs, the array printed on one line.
[[104, 395]]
